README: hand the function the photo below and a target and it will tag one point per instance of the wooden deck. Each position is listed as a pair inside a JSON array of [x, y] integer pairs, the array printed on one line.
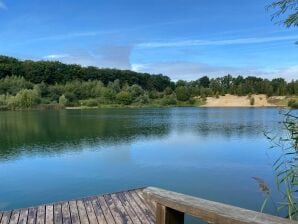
[[121, 207]]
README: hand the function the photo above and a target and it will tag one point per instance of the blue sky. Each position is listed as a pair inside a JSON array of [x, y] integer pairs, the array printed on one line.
[[183, 39]]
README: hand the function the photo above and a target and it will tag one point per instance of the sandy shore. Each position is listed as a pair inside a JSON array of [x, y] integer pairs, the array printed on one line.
[[228, 100]]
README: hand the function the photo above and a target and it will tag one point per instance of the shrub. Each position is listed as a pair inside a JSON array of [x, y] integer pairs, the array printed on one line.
[[136, 90], [182, 93], [124, 98], [25, 99], [63, 100], [252, 101], [293, 103], [12, 85], [89, 102], [169, 100]]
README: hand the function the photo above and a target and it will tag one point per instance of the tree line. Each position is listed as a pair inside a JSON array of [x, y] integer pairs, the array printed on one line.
[[25, 84]]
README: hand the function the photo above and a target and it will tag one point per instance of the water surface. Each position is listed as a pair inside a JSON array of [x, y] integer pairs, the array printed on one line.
[[213, 153]]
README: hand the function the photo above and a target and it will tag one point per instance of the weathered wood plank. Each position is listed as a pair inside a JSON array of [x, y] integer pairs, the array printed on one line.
[[40, 217], [147, 211], [49, 214], [125, 208], [140, 213], [65, 213], [149, 203], [98, 211], [82, 212], [74, 213], [57, 214], [90, 212], [14, 217], [210, 211], [106, 210], [118, 215], [32, 213], [5, 217], [165, 215], [23, 216]]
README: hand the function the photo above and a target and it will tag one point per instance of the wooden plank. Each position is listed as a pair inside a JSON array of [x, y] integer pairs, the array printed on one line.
[[149, 203], [166, 215], [98, 211], [57, 214], [32, 213], [23, 216], [125, 208], [41, 212], [14, 217], [210, 211], [49, 214], [74, 214], [65, 213], [90, 212], [140, 213], [5, 217], [119, 216], [82, 212], [147, 211], [105, 209]]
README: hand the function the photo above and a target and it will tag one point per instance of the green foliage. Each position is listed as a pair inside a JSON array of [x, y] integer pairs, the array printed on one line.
[[252, 101], [293, 104], [182, 93], [288, 9], [89, 102], [51, 72], [124, 98], [169, 100], [13, 84], [25, 99], [63, 100], [286, 166]]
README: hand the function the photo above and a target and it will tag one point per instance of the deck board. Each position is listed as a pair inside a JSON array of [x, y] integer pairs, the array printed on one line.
[[126, 207]]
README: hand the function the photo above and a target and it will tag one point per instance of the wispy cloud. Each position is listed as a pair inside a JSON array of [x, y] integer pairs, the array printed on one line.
[[56, 56], [2, 5], [198, 42]]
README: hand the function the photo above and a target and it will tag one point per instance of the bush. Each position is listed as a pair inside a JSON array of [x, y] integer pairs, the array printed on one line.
[[124, 98], [63, 100], [89, 102], [12, 85], [293, 104], [252, 101], [136, 90], [182, 93], [25, 99], [169, 100]]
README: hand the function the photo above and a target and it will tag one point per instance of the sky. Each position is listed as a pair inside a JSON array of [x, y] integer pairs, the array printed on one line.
[[184, 39]]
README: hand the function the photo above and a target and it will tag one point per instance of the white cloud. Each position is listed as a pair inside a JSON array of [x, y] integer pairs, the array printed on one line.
[[196, 42], [55, 56], [192, 70], [2, 5]]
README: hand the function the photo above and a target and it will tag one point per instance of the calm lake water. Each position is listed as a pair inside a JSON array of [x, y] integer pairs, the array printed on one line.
[[213, 153]]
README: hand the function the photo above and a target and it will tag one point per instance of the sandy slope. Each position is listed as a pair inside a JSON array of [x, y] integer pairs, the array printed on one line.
[[238, 101]]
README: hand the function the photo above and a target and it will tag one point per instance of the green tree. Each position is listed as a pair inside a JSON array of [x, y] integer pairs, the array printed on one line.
[[288, 9], [182, 93], [124, 98]]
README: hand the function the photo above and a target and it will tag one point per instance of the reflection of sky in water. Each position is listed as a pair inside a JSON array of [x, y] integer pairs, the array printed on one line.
[[211, 153]]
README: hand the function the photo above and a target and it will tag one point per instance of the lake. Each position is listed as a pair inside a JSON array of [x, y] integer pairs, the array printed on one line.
[[213, 153]]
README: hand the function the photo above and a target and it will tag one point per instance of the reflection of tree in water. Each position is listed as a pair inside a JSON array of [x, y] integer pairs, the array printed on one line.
[[56, 131], [59, 131]]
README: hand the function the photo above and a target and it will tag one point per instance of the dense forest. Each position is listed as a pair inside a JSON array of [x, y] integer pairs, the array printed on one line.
[[27, 84]]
